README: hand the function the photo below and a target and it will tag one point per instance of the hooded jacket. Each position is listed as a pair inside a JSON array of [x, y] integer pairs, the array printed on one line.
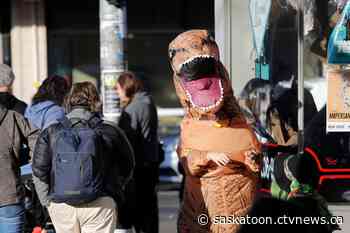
[[43, 114]]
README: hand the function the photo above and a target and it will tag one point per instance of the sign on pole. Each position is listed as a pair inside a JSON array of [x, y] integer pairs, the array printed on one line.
[[112, 56]]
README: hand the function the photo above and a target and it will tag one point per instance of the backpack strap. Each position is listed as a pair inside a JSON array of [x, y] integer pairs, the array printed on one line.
[[65, 122], [94, 121]]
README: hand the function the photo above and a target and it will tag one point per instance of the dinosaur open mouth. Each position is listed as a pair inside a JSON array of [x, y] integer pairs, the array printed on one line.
[[201, 81]]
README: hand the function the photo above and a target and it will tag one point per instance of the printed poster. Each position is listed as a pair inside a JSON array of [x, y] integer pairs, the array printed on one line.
[[338, 101], [109, 94]]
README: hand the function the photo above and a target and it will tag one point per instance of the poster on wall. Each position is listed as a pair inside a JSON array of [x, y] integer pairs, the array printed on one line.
[[110, 97], [338, 101]]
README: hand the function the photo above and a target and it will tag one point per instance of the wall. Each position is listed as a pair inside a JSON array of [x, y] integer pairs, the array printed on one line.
[[234, 37]]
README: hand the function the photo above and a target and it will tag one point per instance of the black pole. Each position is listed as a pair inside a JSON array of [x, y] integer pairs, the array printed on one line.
[[300, 76]]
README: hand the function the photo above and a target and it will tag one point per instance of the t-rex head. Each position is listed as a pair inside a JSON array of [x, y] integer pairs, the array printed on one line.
[[201, 81]]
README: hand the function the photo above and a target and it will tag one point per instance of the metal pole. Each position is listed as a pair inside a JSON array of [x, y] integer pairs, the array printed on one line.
[[112, 43], [300, 21], [2, 60]]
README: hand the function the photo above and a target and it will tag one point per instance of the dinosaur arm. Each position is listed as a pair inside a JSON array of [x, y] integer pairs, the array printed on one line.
[[195, 162]]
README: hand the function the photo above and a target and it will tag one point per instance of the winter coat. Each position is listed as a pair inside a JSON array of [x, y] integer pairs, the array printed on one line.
[[119, 163], [43, 114], [139, 120], [14, 132]]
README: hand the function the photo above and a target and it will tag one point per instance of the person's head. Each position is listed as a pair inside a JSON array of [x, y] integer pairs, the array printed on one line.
[[53, 88], [127, 86], [255, 99], [6, 78], [65, 72], [84, 95]]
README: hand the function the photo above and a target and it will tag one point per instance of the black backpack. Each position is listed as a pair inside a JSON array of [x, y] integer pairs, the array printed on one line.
[[77, 162]]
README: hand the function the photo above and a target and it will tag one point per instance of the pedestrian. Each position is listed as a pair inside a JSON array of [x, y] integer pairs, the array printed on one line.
[[254, 101], [282, 116], [295, 179], [86, 162], [47, 102], [14, 132], [6, 98], [139, 120], [217, 149], [9, 101], [46, 108]]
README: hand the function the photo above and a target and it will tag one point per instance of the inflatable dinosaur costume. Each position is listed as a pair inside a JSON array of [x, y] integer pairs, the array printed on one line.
[[218, 150]]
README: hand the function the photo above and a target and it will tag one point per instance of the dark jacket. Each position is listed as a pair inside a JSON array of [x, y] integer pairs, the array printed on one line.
[[10, 102], [119, 161], [14, 132], [139, 120]]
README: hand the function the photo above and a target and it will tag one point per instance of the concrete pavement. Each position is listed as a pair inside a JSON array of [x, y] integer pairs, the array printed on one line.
[[169, 204], [344, 211]]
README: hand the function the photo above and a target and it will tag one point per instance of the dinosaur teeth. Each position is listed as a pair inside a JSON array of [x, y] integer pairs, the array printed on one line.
[[194, 57], [208, 108]]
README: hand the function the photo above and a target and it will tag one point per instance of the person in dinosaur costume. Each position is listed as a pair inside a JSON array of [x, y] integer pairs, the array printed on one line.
[[218, 150]]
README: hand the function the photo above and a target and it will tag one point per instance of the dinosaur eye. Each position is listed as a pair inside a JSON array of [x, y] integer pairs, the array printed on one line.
[[211, 37], [172, 53]]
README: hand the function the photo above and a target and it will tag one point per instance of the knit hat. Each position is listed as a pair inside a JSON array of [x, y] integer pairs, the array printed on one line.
[[6, 75]]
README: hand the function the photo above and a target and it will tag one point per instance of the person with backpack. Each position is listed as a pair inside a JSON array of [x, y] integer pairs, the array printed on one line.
[[14, 132], [86, 162], [47, 102]]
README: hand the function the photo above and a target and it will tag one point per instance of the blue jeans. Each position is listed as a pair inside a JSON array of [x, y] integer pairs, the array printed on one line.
[[12, 218]]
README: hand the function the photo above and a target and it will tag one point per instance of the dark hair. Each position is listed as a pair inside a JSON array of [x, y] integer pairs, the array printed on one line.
[[253, 85], [53, 88], [84, 94], [130, 84]]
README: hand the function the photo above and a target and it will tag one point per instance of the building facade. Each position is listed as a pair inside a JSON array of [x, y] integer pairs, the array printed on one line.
[[40, 37]]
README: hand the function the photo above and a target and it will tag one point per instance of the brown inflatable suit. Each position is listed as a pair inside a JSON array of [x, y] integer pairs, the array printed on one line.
[[218, 150]]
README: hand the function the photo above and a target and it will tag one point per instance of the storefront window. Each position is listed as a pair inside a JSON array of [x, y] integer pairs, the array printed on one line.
[[5, 26], [73, 40], [271, 104]]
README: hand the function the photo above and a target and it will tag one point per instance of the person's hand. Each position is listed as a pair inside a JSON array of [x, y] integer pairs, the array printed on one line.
[[220, 159], [252, 160]]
